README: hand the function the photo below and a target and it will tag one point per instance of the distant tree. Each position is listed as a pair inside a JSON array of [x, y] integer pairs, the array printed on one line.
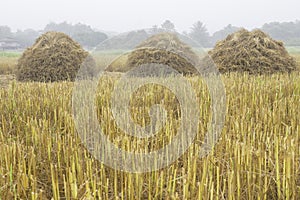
[[27, 37], [222, 34], [67, 28], [168, 26], [124, 41], [185, 33], [277, 30], [288, 32], [90, 39], [82, 33], [5, 31], [57, 27], [155, 29], [200, 34], [134, 38]]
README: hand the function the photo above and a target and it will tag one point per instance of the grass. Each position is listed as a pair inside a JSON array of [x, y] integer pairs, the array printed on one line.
[[257, 156], [7, 65], [9, 54], [8, 61], [293, 49]]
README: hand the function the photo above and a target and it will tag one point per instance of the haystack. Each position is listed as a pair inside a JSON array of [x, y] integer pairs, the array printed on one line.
[[53, 57], [163, 48], [252, 52]]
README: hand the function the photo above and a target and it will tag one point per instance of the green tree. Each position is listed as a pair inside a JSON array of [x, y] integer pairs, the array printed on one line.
[[200, 34], [82, 33], [5, 31], [27, 37], [222, 34], [89, 39], [288, 32], [168, 26]]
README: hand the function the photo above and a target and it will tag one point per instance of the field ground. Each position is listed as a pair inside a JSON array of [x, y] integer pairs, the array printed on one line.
[[257, 156]]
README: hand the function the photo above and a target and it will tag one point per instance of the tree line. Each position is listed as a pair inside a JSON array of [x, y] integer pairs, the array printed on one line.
[[81, 33], [288, 32]]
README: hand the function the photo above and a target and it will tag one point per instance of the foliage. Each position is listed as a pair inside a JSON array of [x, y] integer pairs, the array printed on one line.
[[89, 40], [125, 41], [222, 34], [5, 31], [82, 33], [288, 32], [200, 34], [168, 26], [27, 37]]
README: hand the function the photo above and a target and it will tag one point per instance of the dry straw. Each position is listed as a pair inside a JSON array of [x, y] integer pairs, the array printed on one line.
[[253, 52], [53, 57], [163, 48]]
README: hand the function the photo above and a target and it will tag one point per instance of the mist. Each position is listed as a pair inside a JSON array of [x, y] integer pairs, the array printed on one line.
[[121, 16]]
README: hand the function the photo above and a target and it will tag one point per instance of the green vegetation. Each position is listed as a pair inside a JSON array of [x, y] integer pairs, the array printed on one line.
[[81, 33], [293, 49], [288, 32], [7, 54]]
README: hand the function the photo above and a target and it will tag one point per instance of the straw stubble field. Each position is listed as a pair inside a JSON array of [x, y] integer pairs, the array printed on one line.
[[257, 156]]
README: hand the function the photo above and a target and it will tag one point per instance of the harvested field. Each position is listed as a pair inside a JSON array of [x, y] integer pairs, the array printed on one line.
[[6, 80], [256, 157]]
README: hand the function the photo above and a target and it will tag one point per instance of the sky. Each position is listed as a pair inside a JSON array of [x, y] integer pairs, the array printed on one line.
[[127, 15]]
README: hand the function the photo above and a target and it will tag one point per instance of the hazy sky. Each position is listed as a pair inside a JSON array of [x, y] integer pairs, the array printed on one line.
[[126, 15]]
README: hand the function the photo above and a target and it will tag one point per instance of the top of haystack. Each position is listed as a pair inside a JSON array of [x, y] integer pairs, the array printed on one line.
[[253, 52], [53, 57], [162, 48]]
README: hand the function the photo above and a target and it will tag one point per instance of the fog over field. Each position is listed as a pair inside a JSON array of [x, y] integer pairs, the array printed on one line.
[[120, 16]]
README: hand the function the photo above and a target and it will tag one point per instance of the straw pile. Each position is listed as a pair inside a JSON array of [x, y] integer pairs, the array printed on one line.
[[251, 52], [163, 48], [53, 57]]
